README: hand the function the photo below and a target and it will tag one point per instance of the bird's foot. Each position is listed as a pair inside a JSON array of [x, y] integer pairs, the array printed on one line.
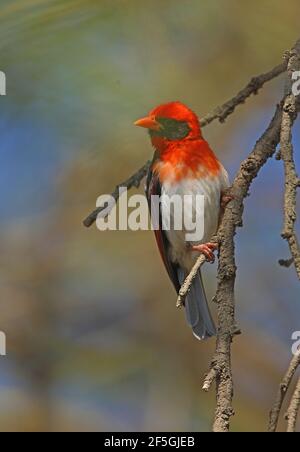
[[207, 249], [225, 199]]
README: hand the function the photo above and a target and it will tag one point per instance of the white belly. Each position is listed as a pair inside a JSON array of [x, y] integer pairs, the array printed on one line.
[[210, 189]]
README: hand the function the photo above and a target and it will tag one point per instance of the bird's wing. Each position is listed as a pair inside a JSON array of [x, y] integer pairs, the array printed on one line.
[[153, 187]]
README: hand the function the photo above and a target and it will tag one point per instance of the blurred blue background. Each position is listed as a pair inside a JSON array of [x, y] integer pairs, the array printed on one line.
[[94, 341]]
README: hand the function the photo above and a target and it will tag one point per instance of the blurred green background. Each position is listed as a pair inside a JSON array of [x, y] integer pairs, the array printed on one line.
[[94, 341]]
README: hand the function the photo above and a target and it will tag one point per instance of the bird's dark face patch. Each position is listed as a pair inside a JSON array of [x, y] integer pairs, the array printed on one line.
[[171, 129]]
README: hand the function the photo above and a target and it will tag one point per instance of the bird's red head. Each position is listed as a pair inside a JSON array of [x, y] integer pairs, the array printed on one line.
[[171, 122]]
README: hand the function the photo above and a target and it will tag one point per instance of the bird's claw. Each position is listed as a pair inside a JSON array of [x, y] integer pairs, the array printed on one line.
[[207, 249]]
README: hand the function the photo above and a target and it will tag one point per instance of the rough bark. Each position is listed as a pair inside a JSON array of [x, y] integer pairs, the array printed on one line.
[[282, 391]]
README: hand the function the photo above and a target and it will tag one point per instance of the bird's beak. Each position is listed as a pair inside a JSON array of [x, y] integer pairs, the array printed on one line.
[[149, 123]]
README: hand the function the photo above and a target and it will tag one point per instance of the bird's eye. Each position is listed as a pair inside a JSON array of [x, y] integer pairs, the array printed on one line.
[[158, 120]]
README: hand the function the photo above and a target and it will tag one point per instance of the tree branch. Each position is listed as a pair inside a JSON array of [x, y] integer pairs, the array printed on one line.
[[290, 109], [283, 388], [133, 181], [186, 286], [255, 84], [286, 262], [220, 113], [293, 410], [221, 369], [221, 363]]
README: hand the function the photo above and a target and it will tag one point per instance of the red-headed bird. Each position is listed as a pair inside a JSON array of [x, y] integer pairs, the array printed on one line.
[[184, 164]]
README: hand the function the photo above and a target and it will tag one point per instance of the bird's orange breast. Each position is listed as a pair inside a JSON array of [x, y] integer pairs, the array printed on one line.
[[193, 159]]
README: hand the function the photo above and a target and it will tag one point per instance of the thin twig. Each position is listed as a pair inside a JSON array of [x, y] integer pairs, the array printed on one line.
[[283, 388], [255, 84], [186, 286], [293, 410], [220, 113], [210, 378], [133, 181]]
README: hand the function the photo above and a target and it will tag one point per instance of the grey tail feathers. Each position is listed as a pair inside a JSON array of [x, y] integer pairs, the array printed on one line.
[[196, 307]]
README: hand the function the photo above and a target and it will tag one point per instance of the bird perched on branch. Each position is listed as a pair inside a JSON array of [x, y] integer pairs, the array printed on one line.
[[184, 164]]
